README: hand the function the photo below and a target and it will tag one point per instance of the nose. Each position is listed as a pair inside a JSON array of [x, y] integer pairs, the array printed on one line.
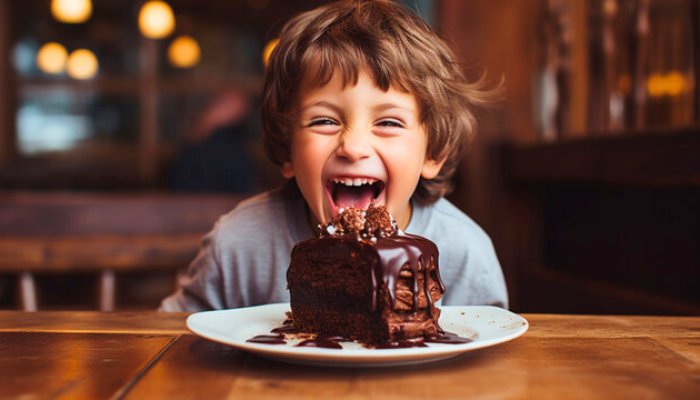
[[354, 145]]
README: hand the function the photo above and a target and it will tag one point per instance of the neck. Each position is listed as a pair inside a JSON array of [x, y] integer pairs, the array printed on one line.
[[404, 218]]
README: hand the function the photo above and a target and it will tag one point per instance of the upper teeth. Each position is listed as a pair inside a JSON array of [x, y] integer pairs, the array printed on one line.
[[354, 182]]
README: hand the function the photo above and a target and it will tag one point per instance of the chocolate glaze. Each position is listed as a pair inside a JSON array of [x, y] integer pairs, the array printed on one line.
[[393, 254], [413, 252]]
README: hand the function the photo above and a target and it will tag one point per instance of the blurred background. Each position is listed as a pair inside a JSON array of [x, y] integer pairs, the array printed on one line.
[[128, 126]]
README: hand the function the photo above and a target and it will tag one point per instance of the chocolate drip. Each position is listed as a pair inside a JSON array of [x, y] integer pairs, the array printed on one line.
[[393, 254], [405, 251]]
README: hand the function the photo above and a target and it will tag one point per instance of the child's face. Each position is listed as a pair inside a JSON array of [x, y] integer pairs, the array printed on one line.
[[354, 145]]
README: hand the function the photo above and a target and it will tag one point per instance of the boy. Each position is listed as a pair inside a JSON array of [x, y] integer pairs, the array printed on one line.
[[362, 103]]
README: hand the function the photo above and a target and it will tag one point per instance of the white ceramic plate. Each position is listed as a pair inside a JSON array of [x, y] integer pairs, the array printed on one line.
[[487, 326]]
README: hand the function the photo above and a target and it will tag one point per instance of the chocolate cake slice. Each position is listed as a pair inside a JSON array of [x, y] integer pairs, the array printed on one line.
[[365, 280]]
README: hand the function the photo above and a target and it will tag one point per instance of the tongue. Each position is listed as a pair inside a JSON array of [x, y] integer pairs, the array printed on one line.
[[353, 196]]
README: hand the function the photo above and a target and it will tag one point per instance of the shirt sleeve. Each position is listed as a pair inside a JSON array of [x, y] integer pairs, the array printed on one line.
[[469, 267], [478, 279], [201, 288]]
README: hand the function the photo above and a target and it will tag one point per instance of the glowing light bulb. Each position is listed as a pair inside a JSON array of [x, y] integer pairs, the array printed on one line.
[[655, 85], [82, 64], [267, 51], [156, 19], [51, 58], [675, 83], [184, 52], [671, 84], [71, 11]]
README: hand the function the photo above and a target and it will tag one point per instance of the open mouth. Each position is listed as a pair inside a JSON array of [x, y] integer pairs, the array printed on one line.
[[353, 192]]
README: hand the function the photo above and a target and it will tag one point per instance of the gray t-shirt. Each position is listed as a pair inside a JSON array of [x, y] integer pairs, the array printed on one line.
[[243, 261]]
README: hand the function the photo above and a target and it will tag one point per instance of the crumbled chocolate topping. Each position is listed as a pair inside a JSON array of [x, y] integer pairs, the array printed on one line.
[[370, 224]]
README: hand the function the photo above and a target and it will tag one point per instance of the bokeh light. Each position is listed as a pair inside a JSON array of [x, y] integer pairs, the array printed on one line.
[[51, 58], [71, 11], [156, 19], [82, 64], [671, 84], [184, 52]]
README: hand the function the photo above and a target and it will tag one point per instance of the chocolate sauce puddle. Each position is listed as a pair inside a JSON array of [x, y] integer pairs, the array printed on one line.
[[268, 339], [446, 338], [402, 344], [287, 327], [440, 337], [324, 341], [333, 341]]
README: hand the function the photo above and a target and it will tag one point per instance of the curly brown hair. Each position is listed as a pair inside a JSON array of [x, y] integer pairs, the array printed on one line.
[[398, 49]]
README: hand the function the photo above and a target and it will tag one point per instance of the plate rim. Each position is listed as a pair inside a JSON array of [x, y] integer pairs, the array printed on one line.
[[366, 357]]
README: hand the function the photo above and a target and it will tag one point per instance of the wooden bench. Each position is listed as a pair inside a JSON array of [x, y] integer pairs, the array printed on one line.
[[104, 233]]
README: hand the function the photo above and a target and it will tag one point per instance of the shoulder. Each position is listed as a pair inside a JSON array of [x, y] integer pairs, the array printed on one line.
[[448, 221], [461, 241], [256, 210], [468, 262], [256, 219]]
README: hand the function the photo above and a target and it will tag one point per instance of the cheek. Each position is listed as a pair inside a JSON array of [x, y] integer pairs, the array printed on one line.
[[308, 155], [408, 157]]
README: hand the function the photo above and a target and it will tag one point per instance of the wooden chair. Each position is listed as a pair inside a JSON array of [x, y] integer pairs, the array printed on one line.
[[103, 233]]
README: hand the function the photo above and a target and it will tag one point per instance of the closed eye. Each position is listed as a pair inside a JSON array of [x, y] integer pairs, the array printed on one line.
[[394, 123], [322, 122]]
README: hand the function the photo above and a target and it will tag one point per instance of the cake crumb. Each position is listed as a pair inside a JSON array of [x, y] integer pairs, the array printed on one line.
[[370, 224]]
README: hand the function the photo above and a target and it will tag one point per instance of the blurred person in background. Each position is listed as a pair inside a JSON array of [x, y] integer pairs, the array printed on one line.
[[218, 155]]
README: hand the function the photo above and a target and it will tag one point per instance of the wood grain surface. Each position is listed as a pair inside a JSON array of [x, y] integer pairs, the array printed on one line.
[[137, 322], [152, 355], [40, 365]]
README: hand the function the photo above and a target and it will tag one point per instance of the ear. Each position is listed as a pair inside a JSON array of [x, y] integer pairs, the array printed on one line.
[[431, 168], [287, 170]]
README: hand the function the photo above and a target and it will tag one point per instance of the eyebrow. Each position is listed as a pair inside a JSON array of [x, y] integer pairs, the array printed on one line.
[[336, 108], [389, 106], [322, 103]]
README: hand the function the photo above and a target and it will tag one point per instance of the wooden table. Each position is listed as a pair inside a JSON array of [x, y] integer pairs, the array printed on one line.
[[149, 355]]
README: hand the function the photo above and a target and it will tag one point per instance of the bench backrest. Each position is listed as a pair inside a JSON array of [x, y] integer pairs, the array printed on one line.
[[65, 231], [74, 214]]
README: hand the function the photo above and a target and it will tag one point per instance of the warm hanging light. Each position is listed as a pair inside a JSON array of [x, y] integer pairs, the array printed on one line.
[[51, 58], [671, 84], [156, 19], [675, 83], [82, 64], [71, 11], [184, 52], [267, 51]]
